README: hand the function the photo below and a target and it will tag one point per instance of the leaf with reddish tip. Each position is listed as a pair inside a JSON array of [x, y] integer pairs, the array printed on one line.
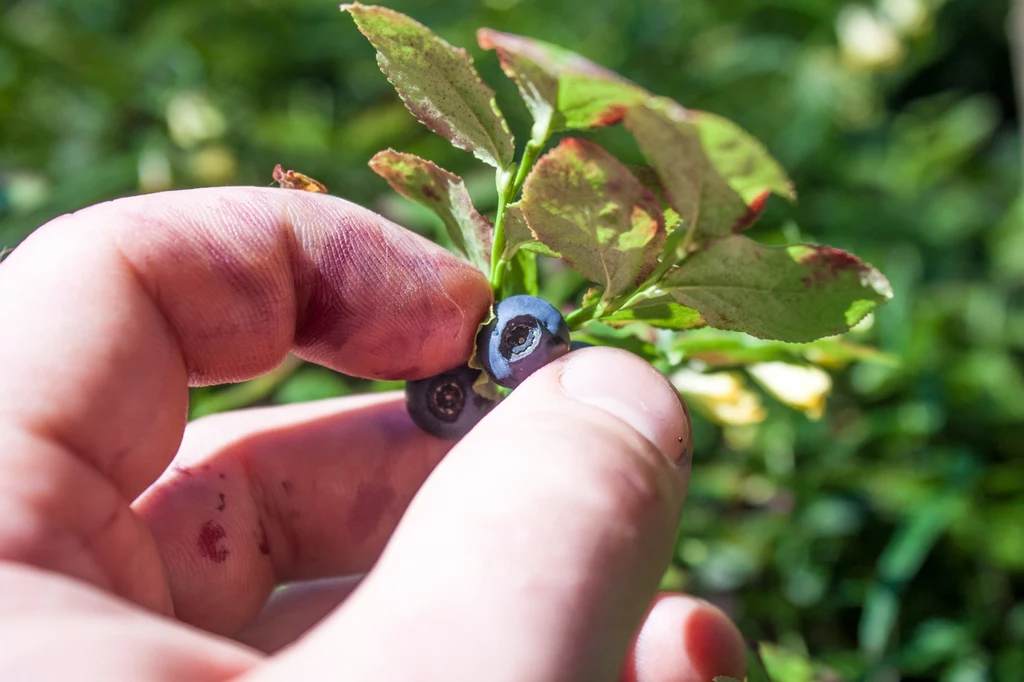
[[562, 89], [445, 194], [583, 203], [790, 293], [437, 82]]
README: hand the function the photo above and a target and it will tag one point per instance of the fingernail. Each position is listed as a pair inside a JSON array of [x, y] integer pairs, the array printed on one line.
[[630, 389]]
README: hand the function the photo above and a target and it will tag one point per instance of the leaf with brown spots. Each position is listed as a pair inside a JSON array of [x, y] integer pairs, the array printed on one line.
[[790, 293], [583, 203], [437, 82], [443, 193], [562, 89]]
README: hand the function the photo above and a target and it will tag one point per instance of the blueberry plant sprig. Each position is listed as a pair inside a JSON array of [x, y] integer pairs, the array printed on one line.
[[662, 243]]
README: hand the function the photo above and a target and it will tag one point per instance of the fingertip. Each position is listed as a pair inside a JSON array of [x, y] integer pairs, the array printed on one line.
[[684, 639], [714, 644], [630, 389]]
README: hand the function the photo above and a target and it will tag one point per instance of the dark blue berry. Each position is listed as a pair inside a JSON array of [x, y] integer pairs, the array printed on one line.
[[526, 333], [445, 404]]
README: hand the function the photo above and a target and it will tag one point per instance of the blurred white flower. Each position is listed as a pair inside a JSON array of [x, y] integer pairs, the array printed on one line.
[[804, 387], [723, 397], [866, 40], [908, 17], [214, 165], [192, 118], [154, 170], [26, 191]]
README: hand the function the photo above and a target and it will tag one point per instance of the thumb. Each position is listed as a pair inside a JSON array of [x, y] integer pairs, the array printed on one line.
[[536, 546]]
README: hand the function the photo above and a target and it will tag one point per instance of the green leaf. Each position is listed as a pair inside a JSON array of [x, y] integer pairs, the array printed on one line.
[[562, 89], [790, 293], [583, 203], [517, 232], [518, 235], [311, 383], [784, 665], [692, 186], [900, 561], [718, 348], [443, 193], [437, 82], [522, 274], [211, 400], [625, 338], [661, 313]]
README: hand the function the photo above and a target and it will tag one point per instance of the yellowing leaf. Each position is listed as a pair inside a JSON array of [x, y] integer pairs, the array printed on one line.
[[740, 159], [437, 82], [723, 397], [584, 204], [445, 194], [295, 180], [803, 387]]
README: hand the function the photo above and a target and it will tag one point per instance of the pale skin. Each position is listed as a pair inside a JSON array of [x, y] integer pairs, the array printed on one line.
[[136, 547]]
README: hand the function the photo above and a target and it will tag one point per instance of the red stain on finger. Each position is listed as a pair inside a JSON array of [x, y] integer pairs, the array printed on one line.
[[209, 539]]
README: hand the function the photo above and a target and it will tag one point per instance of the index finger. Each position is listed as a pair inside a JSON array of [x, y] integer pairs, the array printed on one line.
[[110, 313]]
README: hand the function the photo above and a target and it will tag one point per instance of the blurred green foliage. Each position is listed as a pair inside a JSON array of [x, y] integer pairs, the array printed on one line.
[[883, 541]]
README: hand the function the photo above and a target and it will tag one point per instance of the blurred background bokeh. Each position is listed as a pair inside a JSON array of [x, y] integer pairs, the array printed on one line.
[[884, 540]]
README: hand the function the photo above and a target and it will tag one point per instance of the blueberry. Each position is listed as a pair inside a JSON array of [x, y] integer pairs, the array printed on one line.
[[577, 345], [445, 404], [526, 333]]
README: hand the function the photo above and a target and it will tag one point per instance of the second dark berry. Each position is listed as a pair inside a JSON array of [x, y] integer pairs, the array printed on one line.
[[445, 404]]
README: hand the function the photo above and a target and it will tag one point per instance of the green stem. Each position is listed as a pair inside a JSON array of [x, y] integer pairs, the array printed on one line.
[[498, 249], [580, 317], [507, 192]]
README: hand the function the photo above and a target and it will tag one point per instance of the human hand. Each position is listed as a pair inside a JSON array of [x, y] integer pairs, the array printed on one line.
[[134, 548]]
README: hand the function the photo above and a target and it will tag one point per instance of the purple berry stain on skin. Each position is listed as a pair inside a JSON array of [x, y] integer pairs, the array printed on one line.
[[210, 535], [264, 542], [371, 503]]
